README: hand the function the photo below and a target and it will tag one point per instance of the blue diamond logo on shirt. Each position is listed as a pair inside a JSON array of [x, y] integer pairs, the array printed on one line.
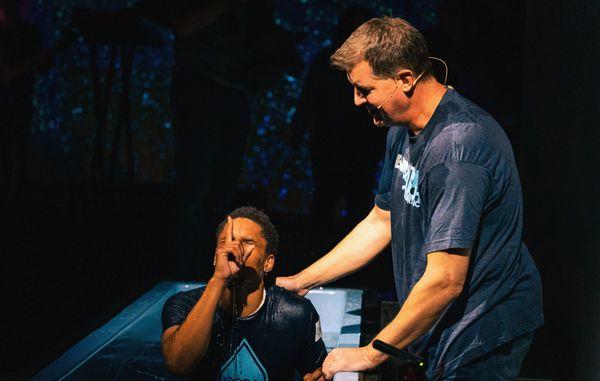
[[243, 365]]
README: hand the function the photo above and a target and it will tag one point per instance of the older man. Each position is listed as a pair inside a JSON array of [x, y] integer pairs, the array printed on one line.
[[234, 328], [450, 204]]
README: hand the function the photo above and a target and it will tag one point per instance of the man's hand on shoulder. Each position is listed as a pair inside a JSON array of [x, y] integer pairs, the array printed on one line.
[[291, 283]]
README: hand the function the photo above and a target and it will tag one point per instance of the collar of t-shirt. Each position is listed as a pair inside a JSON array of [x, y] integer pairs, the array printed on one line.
[[251, 315]]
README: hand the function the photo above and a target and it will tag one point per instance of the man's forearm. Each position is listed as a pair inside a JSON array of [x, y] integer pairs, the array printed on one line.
[[357, 249], [188, 343], [430, 296]]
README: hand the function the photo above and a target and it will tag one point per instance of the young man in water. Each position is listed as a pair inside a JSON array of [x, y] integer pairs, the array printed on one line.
[[234, 328]]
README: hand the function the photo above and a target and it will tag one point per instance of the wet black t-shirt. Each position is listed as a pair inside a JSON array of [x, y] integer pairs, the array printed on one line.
[[282, 337]]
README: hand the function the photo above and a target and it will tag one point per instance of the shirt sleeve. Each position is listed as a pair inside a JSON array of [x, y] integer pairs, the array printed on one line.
[[312, 352], [178, 306], [382, 198], [455, 195]]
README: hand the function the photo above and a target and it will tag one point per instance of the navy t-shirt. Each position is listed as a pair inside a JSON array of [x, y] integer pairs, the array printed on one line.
[[456, 185], [282, 337]]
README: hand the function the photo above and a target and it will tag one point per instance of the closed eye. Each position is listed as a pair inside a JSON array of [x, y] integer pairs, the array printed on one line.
[[363, 91]]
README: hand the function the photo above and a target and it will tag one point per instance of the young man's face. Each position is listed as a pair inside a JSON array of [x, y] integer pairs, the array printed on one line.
[[381, 97], [249, 233]]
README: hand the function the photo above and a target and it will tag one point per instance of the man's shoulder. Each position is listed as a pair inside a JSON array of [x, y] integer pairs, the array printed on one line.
[[177, 306], [186, 296], [291, 303], [286, 296], [468, 133], [464, 119]]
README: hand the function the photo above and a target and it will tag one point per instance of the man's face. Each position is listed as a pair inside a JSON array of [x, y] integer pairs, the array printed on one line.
[[249, 234], [381, 97]]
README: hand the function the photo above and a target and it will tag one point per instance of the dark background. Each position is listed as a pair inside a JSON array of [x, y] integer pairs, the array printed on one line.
[[74, 255]]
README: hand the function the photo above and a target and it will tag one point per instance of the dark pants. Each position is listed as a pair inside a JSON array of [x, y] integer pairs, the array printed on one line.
[[501, 364]]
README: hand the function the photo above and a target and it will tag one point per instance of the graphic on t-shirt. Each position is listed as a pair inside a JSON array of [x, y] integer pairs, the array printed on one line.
[[410, 175], [243, 365]]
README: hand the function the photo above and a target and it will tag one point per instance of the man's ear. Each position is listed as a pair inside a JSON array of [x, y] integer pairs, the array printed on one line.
[[269, 263], [406, 79]]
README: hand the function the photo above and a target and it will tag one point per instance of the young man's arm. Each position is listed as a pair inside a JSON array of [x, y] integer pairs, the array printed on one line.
[[310, 357], [184, 345], [357, 249]]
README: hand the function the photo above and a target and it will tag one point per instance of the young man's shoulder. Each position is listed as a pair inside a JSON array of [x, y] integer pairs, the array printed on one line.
[[178, 305], [192, 292], [291, 303], [282, 293], [186, 296]]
